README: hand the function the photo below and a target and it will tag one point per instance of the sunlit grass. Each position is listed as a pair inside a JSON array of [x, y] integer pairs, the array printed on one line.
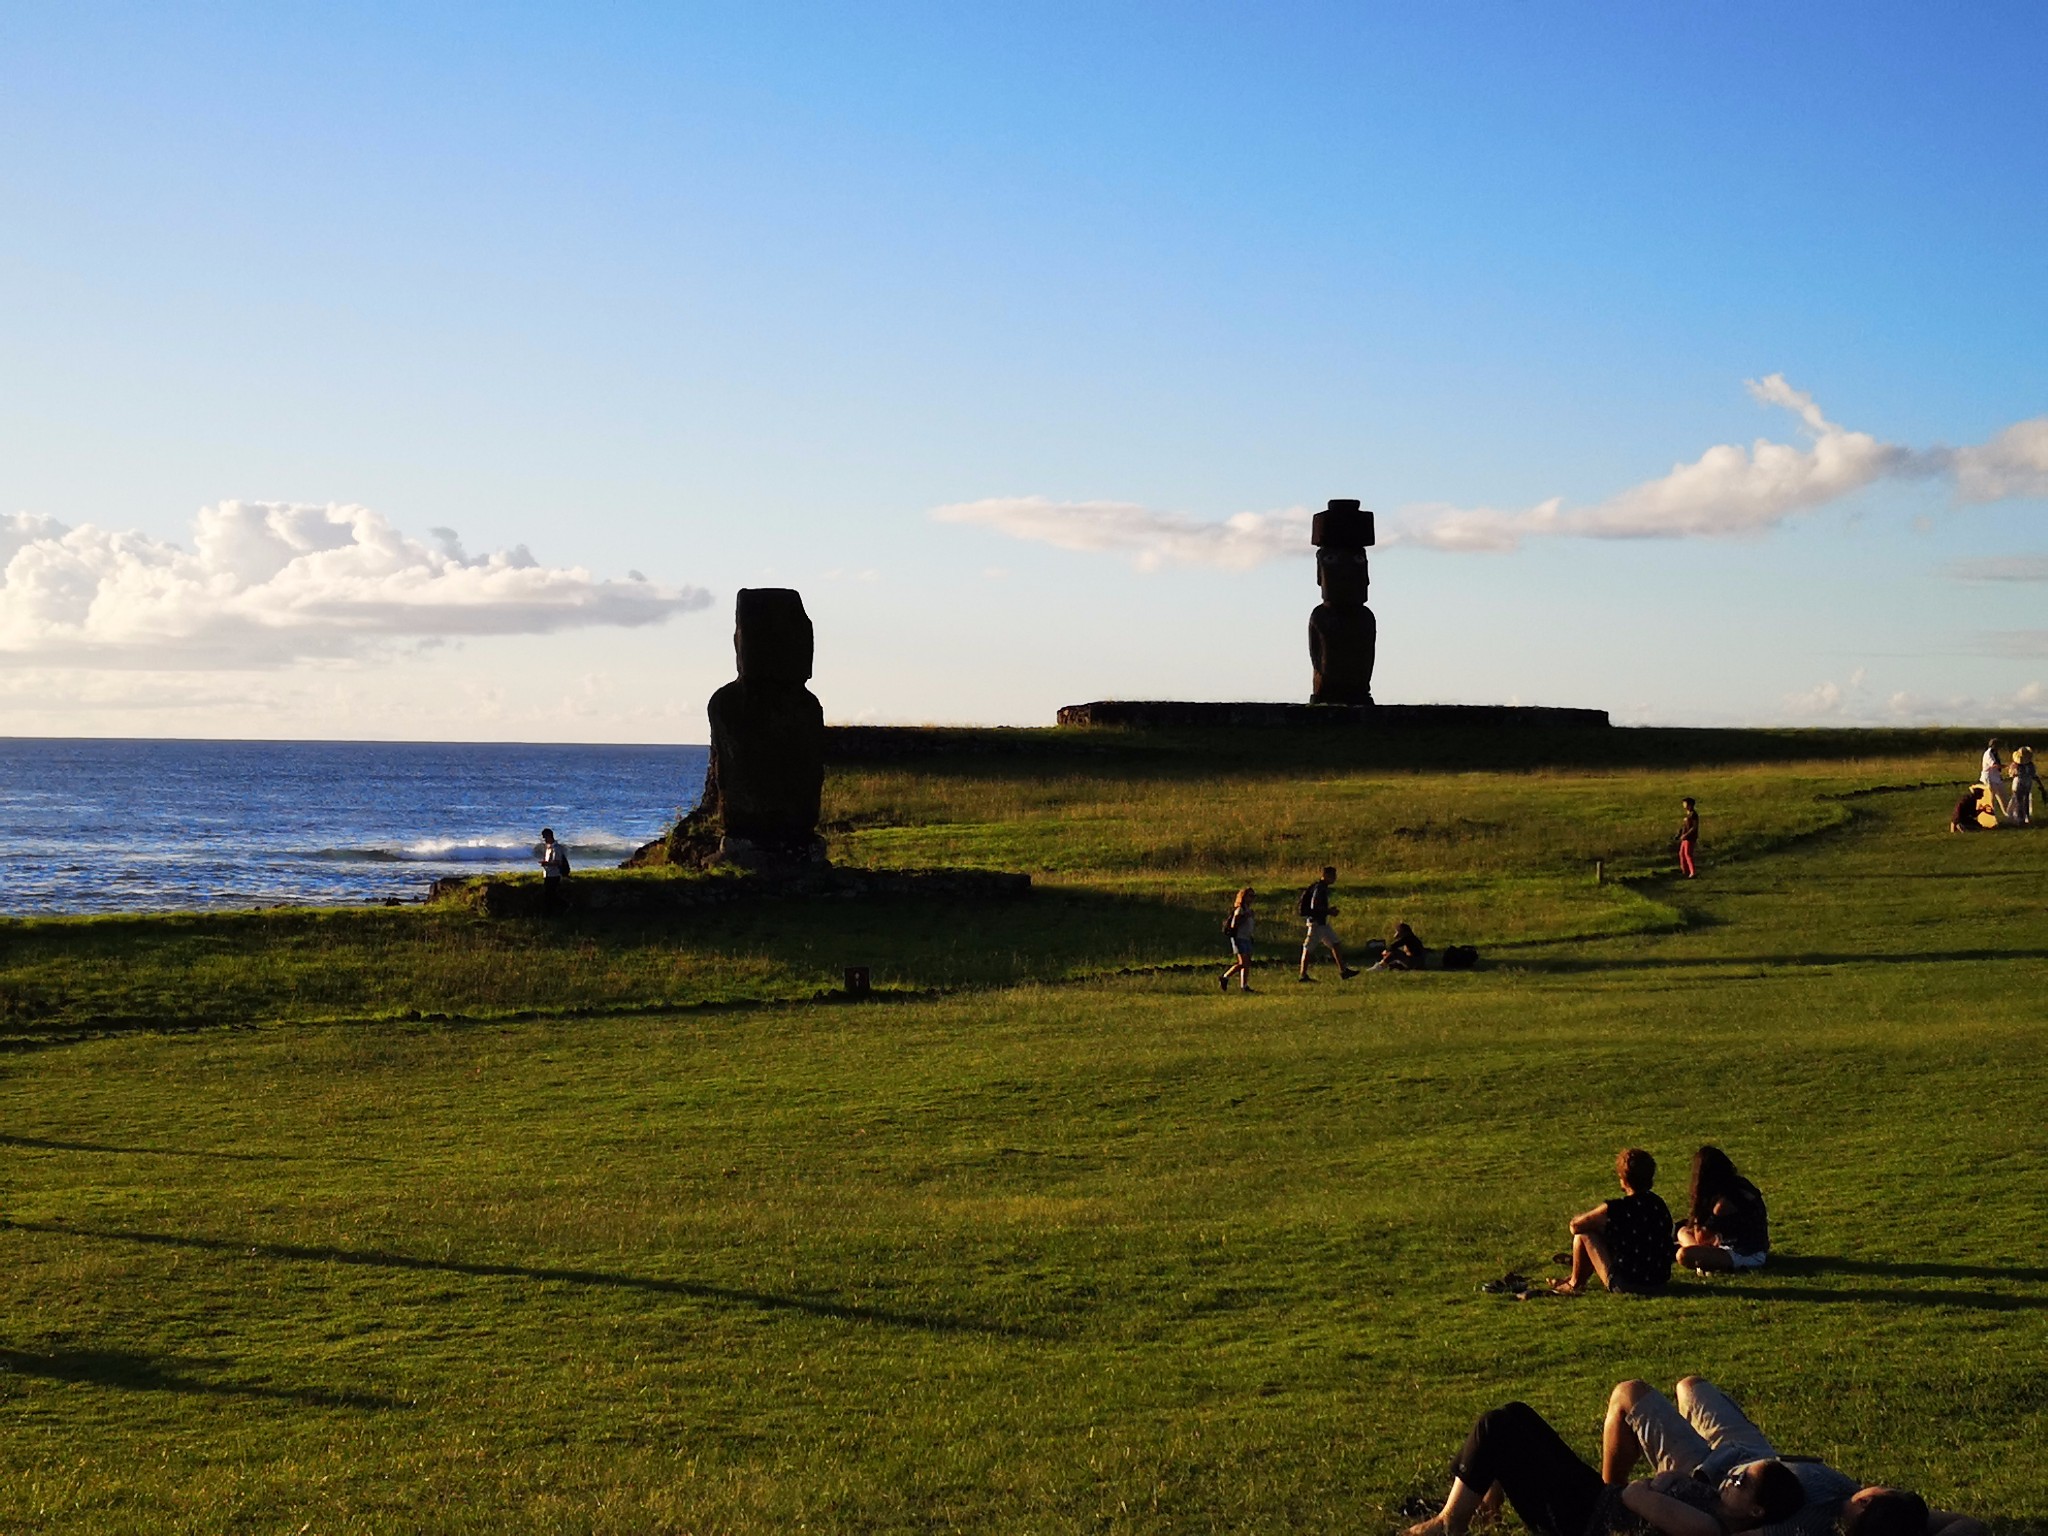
[[1114, 1252]]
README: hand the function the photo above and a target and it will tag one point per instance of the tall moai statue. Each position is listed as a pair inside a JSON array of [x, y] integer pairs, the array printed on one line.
[[1342, 633], [767, 769]]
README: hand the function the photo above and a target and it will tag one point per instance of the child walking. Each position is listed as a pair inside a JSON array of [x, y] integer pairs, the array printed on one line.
[[1688, 838], [1238, 927]]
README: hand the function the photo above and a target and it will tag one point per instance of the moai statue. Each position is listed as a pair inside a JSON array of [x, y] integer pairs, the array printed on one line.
[[768, 737], [1342, 633]]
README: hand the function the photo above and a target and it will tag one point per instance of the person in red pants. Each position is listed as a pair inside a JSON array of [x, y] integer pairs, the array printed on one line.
[[1688, 837]]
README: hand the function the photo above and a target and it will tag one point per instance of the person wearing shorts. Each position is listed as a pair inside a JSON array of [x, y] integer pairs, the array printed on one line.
[[1705, 1435], [1515, 1454], [1238, 928], [1316, 911], [1727, 1226], [1625, 1242]]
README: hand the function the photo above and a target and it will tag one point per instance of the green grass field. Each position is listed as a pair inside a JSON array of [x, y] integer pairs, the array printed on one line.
[[637, 1238]]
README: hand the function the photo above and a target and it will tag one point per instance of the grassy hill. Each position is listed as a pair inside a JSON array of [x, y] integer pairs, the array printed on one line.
[[1057, 1238]]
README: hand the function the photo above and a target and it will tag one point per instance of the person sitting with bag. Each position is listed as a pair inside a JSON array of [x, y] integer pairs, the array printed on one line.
[[1404, 951]]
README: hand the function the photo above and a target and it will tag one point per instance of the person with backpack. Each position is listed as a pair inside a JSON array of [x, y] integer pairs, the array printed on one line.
[[1314, 908], [1238, 929], [554, 869]]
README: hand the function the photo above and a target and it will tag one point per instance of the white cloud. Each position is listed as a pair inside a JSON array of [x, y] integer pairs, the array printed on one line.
[[1829, 700], [2013, 464], [1150, 537], [272, 582], [2002, 568], [2017, 642], [1730, 491], [1853, 703], [2024, 706]]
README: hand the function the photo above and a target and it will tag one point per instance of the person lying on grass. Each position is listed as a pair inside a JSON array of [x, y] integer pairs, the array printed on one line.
[[1726, 1226], [1627, 1242], [1703, 1434], [1513, 1452]]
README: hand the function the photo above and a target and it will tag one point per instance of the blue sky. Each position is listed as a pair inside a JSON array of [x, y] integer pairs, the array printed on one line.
[[730, 296]]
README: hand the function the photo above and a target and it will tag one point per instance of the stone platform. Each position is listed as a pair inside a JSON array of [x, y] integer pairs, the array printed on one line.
[[1389, 718]]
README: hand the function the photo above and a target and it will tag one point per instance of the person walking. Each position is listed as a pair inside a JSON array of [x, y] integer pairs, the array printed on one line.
[[1238, 929], [1688, 837], [1994, 779], [554, 869], [2024, 779], [1315, 909]]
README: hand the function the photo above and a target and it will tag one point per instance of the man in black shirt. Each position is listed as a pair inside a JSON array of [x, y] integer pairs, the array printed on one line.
[[1626, 1242], [1314, 907]]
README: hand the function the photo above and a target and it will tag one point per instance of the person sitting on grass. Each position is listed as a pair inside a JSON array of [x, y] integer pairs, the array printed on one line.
[[1513, 1452], [1964, 817], [1726, 1226], [1705, 1435], [1626, 1242], [1404, 951]]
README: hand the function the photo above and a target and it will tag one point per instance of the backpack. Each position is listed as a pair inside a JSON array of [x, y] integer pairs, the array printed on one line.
[[1460, 957], [1305, 905]]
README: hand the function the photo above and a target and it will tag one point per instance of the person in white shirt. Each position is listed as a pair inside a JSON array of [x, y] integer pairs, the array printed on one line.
[[1994, 779], [554, 868]]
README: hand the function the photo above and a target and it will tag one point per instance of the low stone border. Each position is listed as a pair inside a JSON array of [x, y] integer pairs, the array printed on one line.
[[520, 895]]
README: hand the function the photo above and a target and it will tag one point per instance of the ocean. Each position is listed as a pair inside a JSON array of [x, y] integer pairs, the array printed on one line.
[[151, 826]]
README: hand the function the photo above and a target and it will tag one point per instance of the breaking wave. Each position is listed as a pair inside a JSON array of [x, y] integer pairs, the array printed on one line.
[[476, 850]]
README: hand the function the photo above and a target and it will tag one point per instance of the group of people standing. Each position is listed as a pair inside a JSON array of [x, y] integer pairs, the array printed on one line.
[[2003, 795], [1632, 1243]]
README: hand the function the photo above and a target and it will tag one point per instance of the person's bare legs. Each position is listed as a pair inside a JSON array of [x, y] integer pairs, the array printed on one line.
[[1706, 1256], [1589, 1258], [1620, 1448], [1460, 1505]]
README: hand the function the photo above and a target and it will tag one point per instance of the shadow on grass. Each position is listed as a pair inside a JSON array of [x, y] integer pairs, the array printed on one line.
[[1890, 1296], [141, 1373], [1573, 967], [1826, 1263], [432, 967], [375, 1258], [46, 1144]]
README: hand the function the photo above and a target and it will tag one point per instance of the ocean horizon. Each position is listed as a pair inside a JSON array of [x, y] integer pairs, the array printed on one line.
[[131, 824]]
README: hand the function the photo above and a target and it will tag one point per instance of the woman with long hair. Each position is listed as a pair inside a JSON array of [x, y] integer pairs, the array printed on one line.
[[1726, 1225], [1238, 929]]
